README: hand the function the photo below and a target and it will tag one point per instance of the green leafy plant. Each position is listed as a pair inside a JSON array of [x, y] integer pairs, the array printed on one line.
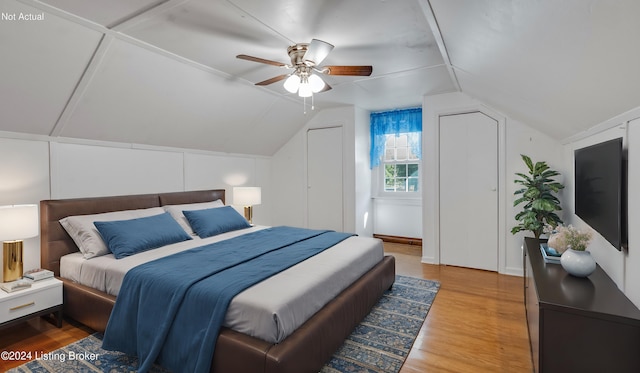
[[537, 194]]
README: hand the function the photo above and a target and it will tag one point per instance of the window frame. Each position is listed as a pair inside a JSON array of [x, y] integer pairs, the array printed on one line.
[[379, 175]]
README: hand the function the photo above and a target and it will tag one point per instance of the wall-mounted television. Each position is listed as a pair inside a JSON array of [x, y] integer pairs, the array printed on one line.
[[600, 190]]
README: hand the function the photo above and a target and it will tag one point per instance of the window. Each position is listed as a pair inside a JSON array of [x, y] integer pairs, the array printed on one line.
[[401, 165], [396, 146]]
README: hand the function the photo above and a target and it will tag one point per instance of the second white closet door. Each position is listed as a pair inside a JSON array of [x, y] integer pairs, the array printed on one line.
[[469, 191], [324, 183]]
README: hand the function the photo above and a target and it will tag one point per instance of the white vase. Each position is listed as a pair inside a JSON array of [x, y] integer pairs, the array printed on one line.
[[578, 263]]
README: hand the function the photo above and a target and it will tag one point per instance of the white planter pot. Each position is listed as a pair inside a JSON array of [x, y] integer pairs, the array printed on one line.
[[578, 263]]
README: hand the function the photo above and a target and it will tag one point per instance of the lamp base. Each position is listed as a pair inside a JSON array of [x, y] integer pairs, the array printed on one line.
[[12, 260], [248, 213]]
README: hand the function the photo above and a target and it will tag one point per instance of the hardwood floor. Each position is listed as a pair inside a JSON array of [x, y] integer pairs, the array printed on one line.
[[37, 336], [476, 324]]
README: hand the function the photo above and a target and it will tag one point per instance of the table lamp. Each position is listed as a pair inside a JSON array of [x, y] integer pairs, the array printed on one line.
[[17, 222], [247, 197]]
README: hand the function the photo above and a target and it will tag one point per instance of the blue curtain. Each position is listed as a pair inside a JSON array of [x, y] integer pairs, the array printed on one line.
[[395, 122]]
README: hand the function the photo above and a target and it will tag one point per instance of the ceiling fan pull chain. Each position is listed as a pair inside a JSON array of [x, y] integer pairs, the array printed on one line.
[[312, 105]]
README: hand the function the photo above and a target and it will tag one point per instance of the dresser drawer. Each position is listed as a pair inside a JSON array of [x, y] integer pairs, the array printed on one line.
[[28, 301]]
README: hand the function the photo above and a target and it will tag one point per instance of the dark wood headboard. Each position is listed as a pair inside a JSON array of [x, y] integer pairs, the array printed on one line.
[[54, 240]]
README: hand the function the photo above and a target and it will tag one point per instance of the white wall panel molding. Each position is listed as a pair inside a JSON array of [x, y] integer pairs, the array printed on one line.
[[435, 29], [111, 144], [118, 32], [397, 217], [81, 86], [151, 12], [139, 12], [23, 136], [91, 171], [41, 63]]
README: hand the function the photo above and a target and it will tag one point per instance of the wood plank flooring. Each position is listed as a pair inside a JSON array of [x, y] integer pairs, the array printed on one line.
[[476, 324]]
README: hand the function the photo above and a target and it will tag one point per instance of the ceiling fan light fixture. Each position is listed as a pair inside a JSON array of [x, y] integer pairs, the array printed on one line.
[[316, 83], [305, 89], [305, 60], [292, 83]]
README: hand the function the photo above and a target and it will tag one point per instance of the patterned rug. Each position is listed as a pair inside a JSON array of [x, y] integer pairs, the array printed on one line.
[[380, 344]]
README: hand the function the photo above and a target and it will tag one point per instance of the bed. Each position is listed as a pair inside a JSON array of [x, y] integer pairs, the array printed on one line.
[[305, 350]]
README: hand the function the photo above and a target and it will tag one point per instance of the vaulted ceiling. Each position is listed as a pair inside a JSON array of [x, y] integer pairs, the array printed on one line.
[[165, 72]]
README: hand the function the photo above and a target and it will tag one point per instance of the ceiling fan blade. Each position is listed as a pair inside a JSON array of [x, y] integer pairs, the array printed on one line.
[[347, 70], [274, 79], [261, 60], [317, 51]]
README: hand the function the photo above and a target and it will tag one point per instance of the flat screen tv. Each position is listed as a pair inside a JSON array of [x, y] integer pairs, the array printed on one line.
[[600, 190]]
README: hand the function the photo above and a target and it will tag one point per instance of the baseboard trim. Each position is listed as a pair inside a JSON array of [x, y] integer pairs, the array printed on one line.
[[513, 271], [398, 239], [428, 260]]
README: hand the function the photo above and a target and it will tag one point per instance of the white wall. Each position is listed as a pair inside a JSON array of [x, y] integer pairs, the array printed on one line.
[[398, 217], [33, 168], [289, 172], [622, 266], [79, 170], [202, 170], [364, 209], [395, 215], [522, 139], [515, 138], [24, 179]]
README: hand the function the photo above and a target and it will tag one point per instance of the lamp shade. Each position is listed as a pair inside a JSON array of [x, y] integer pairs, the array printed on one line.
[[292, 83], [18, 222], [247, 196], [316, 83]]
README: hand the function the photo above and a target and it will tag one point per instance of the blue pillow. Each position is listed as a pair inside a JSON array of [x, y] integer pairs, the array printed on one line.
[[210, 222], [128, 237]]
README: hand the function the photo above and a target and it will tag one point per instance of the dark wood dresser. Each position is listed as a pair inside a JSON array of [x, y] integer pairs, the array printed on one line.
[[578, 324]]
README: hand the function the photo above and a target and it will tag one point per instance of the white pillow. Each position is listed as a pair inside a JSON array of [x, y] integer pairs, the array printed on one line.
[[176, 212], [86, 236]]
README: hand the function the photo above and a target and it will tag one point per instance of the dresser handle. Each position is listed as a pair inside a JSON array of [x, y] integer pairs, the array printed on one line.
[[23, 306]]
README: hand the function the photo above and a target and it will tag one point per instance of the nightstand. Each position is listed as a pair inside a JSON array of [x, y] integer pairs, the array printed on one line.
[[42, 298]]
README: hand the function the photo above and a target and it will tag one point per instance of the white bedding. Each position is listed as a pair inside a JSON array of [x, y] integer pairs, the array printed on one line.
[[270, 310]]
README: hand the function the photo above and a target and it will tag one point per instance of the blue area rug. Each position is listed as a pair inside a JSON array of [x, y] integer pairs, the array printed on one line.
[[380, 344]]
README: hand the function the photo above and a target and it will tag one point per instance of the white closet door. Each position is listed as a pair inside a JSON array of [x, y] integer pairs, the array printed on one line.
[[469, 191], [324, 179]]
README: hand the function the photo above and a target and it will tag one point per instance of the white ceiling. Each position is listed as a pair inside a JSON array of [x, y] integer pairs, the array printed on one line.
[[164, 72]]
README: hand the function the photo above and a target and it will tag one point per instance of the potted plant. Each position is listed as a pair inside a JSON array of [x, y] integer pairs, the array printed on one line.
[[565, 238], [537, 195], [572, 243]]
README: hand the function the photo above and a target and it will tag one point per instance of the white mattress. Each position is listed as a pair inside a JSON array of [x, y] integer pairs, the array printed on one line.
[[270, 310]]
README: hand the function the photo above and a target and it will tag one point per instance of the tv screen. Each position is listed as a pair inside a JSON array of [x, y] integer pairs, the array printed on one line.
[[599, 190]]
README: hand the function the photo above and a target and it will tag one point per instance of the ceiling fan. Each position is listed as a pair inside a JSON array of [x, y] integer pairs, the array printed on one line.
[[305, 60]]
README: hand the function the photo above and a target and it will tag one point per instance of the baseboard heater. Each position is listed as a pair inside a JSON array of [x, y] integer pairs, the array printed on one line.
[[399, 239]]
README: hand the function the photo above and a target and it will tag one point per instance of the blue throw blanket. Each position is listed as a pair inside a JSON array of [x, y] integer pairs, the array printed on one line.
[[171, 310]]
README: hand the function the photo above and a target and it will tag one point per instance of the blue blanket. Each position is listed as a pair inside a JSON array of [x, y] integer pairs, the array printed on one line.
[[171, 310]]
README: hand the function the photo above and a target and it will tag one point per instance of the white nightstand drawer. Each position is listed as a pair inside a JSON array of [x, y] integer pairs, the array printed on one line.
[[24, 302]]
